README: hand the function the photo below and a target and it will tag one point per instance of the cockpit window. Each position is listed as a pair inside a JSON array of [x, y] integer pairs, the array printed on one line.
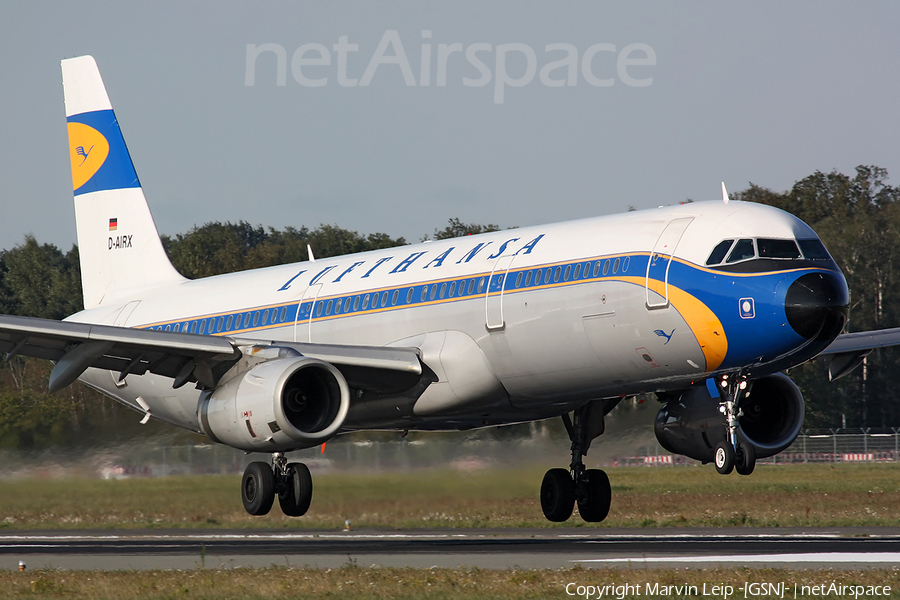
[[742, 250], [769, 248], [813, 250], [719, 252]]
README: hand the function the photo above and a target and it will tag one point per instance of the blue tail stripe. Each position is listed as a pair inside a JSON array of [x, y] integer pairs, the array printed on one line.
[[117, 171]]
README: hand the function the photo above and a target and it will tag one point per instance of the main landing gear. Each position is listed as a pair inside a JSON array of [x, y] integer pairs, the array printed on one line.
[[733, 453], [562, 488], [291, 482]]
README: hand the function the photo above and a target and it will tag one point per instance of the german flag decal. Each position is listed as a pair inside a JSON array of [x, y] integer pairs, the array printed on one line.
[[113, 224]]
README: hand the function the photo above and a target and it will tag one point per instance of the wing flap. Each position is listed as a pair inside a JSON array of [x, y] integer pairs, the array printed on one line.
[[76, 346], [863, 340], [187, 357], [850, 349]]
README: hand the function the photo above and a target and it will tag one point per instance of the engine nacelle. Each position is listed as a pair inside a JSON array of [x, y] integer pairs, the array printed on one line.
[[773, 415], [278, 405]]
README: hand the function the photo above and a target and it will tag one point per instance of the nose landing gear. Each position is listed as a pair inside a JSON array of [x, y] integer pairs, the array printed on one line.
[[590, 488], [291, 482], [734, 453]]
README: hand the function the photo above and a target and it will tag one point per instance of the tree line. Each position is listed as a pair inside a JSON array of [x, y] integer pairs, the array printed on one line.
[[857, 216]]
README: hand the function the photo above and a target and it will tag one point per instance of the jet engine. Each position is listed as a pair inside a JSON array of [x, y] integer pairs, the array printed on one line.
[[773, 409], [288, 403]]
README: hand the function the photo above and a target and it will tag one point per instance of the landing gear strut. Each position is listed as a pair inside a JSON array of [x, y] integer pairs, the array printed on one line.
[[291, 482], [733, 453], [590, 488]]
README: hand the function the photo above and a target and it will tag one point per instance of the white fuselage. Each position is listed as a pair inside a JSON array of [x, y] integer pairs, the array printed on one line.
[[593, 327]]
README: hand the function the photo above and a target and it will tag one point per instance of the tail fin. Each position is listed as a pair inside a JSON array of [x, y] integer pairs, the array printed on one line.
[[118, 242]]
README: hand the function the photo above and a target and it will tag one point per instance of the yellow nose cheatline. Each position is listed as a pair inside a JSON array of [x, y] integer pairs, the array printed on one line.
[[703, 322]]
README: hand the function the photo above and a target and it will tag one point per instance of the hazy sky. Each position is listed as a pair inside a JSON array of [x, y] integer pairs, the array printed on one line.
[[676, 97]]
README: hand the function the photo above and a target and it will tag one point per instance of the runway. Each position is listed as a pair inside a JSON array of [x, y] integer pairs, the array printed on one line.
[[846, 548]]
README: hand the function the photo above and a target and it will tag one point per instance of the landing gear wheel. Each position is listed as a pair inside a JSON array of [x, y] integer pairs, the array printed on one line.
[[724, 458], [296, 492], [745, 459], [557, 495], [258, 488], [594, 502]]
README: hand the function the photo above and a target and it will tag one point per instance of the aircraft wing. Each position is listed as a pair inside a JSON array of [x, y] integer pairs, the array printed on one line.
[[185, 357], [849, 349]]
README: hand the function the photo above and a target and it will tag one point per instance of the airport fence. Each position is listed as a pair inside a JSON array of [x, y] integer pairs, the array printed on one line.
[[457, 451], [811, 446]]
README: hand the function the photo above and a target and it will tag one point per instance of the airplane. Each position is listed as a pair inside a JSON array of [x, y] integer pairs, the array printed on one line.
[[703, 304]]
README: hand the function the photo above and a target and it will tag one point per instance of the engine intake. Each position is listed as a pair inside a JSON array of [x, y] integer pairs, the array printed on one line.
[[692, 425], [278, 405]]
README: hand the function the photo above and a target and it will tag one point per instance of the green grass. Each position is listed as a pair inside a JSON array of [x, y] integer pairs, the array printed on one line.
[[775, 496], [401, 584]]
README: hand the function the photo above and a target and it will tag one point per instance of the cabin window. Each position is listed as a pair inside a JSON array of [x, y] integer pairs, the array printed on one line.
[[813, 250], [327, 308], [337, 306], [194, 327], [256, 318], [743, 250], [219, 326], [719, 252], [394, 297], [203, 327], [409, 294], [365, 302], [229, 321], [769, 248], [356, 302], [424, 295], [434, 290], [567, 272], [548, 273], [481, 285], [246, 320], [577, 271], [283, 314], [596, 268], [528, 279], [519, 280], [384, 297], [319, 307], [605, 268], [452, 289], [443, 290], [615, 266]]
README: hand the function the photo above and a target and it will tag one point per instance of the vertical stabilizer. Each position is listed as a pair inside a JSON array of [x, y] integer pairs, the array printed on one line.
[[119, 246]]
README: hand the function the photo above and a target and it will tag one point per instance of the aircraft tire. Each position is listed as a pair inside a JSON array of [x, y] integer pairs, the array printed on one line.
[[745, 459], [594, 506], [296, 495], [258, 488], [724, 458], [557, 495]]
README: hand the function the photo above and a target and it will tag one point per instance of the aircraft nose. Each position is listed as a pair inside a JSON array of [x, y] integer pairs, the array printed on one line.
[[817, 305]]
